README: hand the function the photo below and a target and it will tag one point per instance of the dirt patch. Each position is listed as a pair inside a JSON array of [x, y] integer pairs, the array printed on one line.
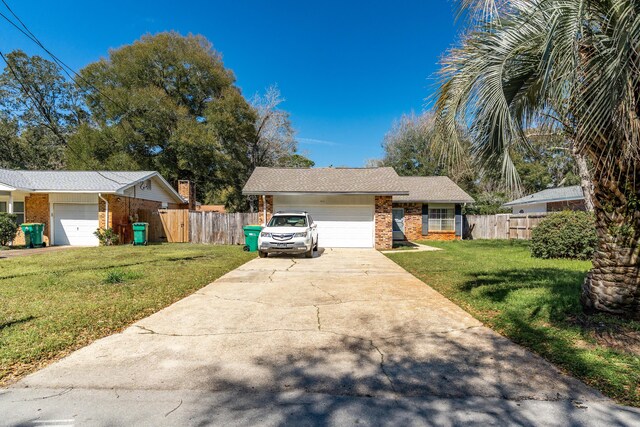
[[613, 335]]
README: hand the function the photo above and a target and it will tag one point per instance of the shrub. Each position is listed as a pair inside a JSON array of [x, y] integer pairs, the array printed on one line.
[[107, 237], [567, 234], [8, 228]]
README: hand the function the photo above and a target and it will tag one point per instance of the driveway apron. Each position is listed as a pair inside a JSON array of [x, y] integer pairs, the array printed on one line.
[[348, 322]]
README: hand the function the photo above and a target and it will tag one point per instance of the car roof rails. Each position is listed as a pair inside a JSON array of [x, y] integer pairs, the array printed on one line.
[[291, 212]]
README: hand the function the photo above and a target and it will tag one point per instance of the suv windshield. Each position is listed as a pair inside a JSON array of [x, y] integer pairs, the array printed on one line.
[[288, 221]]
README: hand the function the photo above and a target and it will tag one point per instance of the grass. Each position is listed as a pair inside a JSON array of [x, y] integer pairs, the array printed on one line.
[[54, 303], [535, 303]]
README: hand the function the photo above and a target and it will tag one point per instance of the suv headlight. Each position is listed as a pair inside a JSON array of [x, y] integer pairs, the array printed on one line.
[[264, 234], [303, 234]]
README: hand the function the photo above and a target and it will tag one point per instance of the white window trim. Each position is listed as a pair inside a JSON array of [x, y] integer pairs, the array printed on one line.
[[22, 212], [446, 223]]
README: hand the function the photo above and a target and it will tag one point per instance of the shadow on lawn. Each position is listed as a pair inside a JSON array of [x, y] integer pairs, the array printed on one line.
[[540, 309], [14, 322], [561, 284]]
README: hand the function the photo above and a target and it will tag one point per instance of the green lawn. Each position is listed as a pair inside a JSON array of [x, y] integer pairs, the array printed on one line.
[[51, 304], [535, 303]]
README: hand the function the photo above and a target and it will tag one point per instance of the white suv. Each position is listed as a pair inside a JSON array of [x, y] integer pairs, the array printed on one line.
[[289, 232]]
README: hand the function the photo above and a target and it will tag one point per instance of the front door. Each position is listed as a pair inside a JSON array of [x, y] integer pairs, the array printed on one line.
[[398, 224]]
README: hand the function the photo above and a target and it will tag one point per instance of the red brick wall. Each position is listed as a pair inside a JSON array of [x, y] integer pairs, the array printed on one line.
[[36, 206], [383, 222], [441, 235], [412, 220], [269, 200], [188, 191]]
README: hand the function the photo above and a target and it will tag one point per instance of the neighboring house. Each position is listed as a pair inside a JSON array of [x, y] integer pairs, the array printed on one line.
[[362, 207], [549, 200], [73, 204]]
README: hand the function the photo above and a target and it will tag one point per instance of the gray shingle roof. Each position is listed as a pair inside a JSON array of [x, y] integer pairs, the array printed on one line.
[[89, 181], [432, 189], [383, 180], [559, 194]]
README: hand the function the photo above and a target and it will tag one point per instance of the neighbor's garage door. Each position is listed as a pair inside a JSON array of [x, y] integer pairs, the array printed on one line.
[[343, 221], [74, 224]]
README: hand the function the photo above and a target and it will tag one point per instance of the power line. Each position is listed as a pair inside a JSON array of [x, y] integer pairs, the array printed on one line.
[[29, 34]]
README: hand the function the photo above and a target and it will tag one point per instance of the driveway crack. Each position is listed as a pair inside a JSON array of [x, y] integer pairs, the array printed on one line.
[[293, 262], [335, 298], [213, 334], [147, 331], [382, 367], [318, 317], [169, 413]]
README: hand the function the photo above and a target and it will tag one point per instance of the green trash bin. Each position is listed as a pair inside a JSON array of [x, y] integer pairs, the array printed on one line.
[[251, 233], [140, 233], [33, 234]]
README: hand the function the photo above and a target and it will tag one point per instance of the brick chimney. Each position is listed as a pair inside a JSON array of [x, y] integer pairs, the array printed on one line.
[[188, 192]]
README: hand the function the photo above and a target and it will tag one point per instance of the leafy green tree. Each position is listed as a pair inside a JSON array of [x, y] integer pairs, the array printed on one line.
[[547, 162], [295, 161], [166, 103], [39, 110], [409, 147], [571, 66]]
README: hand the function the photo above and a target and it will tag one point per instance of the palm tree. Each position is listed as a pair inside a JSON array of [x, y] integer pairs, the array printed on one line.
[[571, 66]]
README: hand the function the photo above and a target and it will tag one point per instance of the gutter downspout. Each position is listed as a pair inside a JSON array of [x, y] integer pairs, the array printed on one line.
[[264, 208], [106, 211]]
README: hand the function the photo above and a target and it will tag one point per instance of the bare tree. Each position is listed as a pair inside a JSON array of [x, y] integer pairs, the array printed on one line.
[[275, 137]]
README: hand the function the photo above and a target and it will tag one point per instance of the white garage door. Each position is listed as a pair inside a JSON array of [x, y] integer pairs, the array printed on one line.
[[74, 224], [343, 221]]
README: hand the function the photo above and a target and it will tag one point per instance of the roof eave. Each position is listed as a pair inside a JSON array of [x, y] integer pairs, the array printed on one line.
[[323, 193], [173, 192], [73, 191], [533, 202], [434, 201], [7, 187]]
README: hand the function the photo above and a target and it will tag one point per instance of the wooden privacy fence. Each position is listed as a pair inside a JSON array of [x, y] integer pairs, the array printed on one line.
[[501, 226], [219, 228], [166, 225]]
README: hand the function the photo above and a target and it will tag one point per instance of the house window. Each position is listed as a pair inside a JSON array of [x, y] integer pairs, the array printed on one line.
[[18, 211], [442, 219]]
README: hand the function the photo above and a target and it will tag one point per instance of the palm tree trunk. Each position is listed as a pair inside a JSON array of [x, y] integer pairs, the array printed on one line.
[[585, 179], [613, 284]]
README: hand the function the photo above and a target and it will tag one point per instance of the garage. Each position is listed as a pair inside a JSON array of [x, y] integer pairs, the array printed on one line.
[[74, 224], [344, 221]]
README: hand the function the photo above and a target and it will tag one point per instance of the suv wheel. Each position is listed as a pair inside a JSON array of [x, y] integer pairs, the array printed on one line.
[[262, 254]]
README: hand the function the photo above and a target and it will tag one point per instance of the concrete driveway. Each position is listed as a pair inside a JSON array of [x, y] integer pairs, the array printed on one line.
[[344, 337]]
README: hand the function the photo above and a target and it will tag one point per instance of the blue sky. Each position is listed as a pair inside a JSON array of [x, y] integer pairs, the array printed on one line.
[[347, 69]]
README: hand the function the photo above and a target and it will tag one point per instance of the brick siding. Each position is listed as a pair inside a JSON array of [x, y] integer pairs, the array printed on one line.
[[412, 220], [383, 222], [188, 192], [36, 206], [441, 235]]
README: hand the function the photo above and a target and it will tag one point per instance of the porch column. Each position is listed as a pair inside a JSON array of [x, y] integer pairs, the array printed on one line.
[[10, 204]]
